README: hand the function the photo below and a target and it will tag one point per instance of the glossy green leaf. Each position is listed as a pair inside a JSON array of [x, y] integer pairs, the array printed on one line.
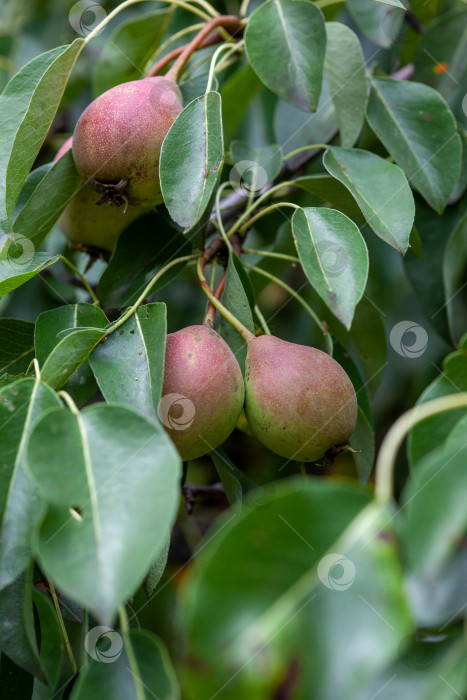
[[294, 69], [332, 192], [341, 356], [294, 544], [32, 181], [191, 160], [142, 671], [419, 130], [454, 276], [142, 249], [50, 638], [156, 570], [345, 69], [363, 442], [294, 128], [129, 363], [236, 484], [380, 22], [113, 500], [128, 49], [27, 107], [19, 263], [17, 633], [16, 345], [69, 354], [254, 168], [238, 299], [21, 404], [243, 82], [377, 187], [48, 200], [431, 432], [334, 257], [394, 3]]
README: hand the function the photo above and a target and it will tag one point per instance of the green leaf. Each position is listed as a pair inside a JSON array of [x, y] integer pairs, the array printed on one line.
[[191, 160], [334, 258], [379, 22], [332, 192], [370, 179], [128, 49], [293, 70], [17, 634], [48, 200], [345, 69], [51, 637], [16, 345], [32, 181], [243, 82], [69, 354], [113, 500], [21, 404], [394, 3], [434, 511], [306, 604], [142, 250], [294, 128], [454, 275], [363, 442], [19, 263], [15, 682], [431, 432], [236, 484], [254, 168], [129, 364], [156, 569], [237, 298], [142, 671], [419, 130], [27, 107]]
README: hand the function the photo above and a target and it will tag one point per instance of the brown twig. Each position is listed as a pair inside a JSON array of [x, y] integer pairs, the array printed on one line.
[[214, 38], [191, 491], [230, 22]]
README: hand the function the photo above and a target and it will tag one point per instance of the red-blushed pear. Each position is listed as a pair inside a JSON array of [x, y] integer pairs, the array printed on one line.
[[299, 401], [87, 224], [203, 391], [118, 138]]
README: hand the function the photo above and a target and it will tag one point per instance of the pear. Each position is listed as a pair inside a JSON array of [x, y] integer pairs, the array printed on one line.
[[203, 391], [87, 224], [299, 401], [118, 138]]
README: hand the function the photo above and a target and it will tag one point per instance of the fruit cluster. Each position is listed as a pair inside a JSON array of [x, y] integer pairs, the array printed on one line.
[[298, 401]]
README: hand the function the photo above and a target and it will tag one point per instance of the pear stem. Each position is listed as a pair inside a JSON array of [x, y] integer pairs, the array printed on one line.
[[228, 21], [228, 49], [256, 203], [82, 278], [239, 327], [395, 436], [211, 310], [311, 147], [271, 254], [262, 320], [292, 293], [113, 327], [169, 57], [61, 624], [263, 212]]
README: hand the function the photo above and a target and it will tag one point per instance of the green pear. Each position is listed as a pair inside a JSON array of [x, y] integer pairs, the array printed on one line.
[[118, 139], [299, 401], [87, 224], [203, 391]]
